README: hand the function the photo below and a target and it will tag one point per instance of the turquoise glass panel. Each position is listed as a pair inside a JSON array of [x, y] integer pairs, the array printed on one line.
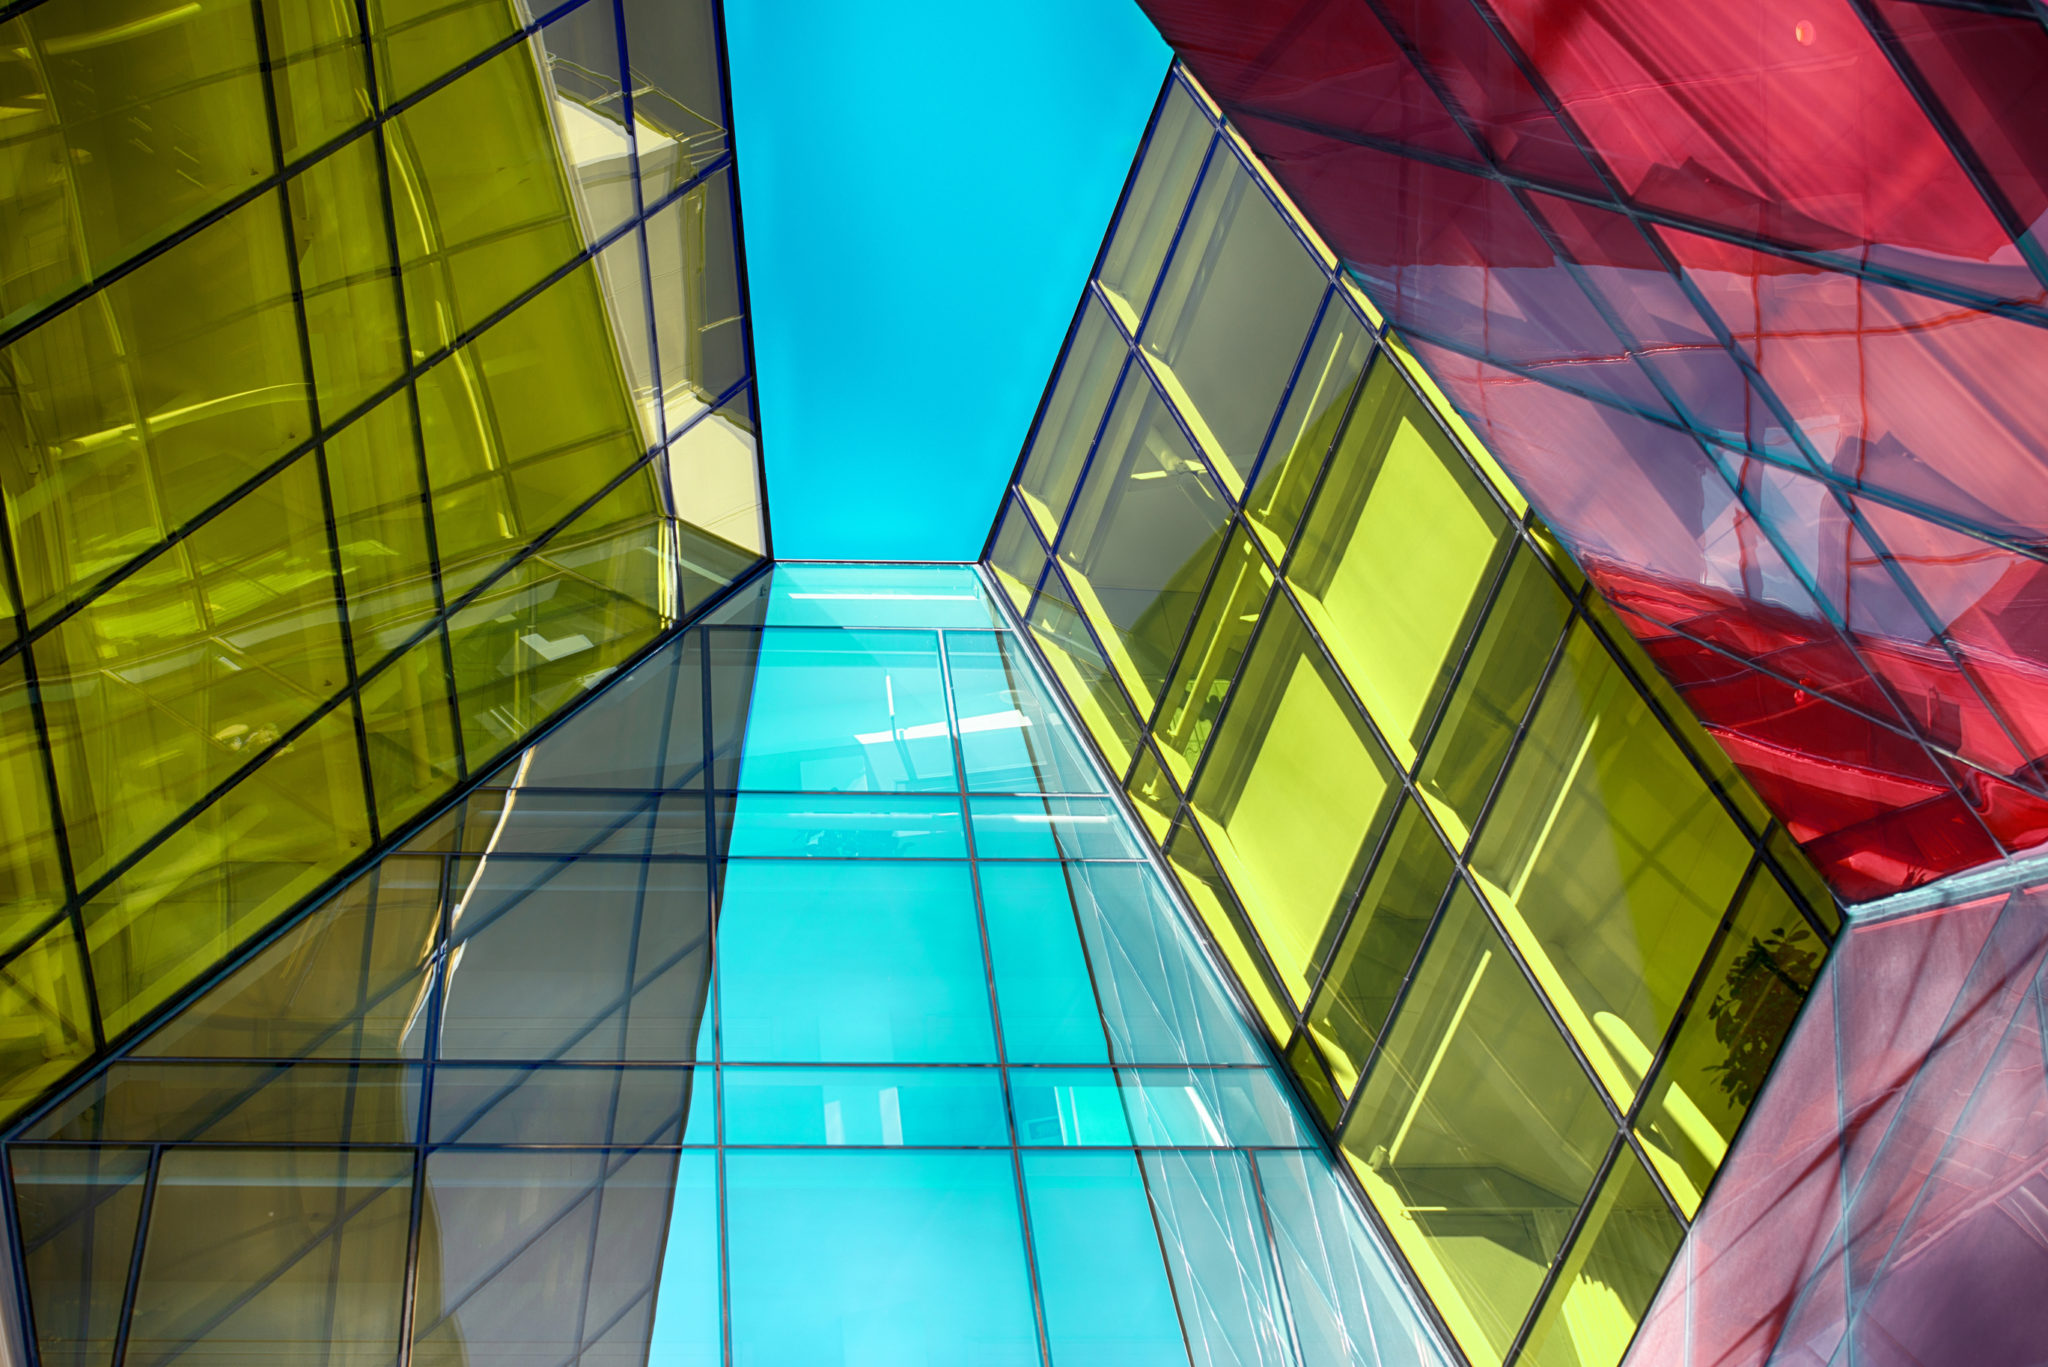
[[848, 711], [1108, 1301], [1043, 989], [1011, 741], [1050, 828], [1211, 1108], [878, 1258], [865, 1107], [686, 1312], [1222, 1266], [947, 596], [847, 827], [847, 961], [1068, 1108]]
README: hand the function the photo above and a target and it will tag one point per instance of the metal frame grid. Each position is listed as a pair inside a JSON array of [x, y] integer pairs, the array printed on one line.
[[1139, 368], [1729, 454], [372, 126], [718, 793]]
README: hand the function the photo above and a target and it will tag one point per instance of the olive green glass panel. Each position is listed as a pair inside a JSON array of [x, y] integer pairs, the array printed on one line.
[[1477, 1135], [1759, 978], [1073, 415], [1153, 209], [1083, 674], [382, 530], [1396, 556], [1379, 946], [420, 40], [1217, 905], [1502, 671], [1146, 527], [319, 71], [78, 1210], [31, 878], [1315, 411], [45, 1025], [1016, 556], [1153, 794], [1209, 662], [1610, 862], [345, 276], [1629, 1238], [1293, 796], [1232, 316]]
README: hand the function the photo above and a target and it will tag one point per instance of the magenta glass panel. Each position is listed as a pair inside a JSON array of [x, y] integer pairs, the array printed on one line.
[[1883, 1202]]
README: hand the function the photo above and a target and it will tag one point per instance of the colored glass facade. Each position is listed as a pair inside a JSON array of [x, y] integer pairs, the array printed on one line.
[[1744, 296], [373, 383], [877, 1038], [1523, 936]]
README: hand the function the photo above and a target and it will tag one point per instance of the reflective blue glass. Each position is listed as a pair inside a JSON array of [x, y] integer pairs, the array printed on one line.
[[1210, 1225], [1068, 1108], [824, 595], [848, 827], [1043, 988], [880, 1258], [847, 961], [1050, 828], [866, 1107], [854, 711], [686, 1310], [1108, 1302], [1011, 741], [1211, 1108]]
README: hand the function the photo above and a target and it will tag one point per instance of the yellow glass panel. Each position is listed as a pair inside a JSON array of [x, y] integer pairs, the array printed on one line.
[[1486, 709], [346, 982], [1309, 423], [1477, 1134], [1760, 977], [162, 112], [1293, 797], [1158, 198], [1448, 412], [318, 68], [31, 880], [228, 871], [480, 194], [45, 1029], [418, 40], [410, 731], [1396, 557], [1209, 662], [164, 686], [1307, 1067], [345, 273], [1628, 1240], [1813, 893], [1609, 862], [380, 522], [1380, 945], [1084, 676], [694, 280], [1215, 904], [150, 402], [1153, 794], [1016, 556], [1073, 416], [41, 251]]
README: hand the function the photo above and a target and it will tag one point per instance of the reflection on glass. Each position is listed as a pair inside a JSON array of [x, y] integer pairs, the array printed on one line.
[[1152, 212], [1050, 828], [865, 1107]]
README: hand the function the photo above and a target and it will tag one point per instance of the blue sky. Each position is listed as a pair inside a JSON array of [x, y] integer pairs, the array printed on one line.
[[924, 187]]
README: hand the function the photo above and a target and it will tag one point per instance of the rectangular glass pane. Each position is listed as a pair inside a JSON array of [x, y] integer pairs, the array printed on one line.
[[1211, 1108], [1011, 740], [861, 711], [835, 826], [865, 1107], [1108, 1301], [1072, 418], [949, 596], [1069, 1108], [1050, 828], [1044, 990], [1158, 198]]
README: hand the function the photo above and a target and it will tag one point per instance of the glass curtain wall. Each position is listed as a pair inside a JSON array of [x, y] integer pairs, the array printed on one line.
[[373, 382], [804, 999], [1522, 933]]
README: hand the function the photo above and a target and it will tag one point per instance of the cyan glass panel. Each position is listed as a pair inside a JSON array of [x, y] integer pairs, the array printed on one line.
[[1069, 1108], [1011, 740], [1050, 828], [1108, 1302], [686, 1325], [1349, 1306], [849, 962], [1205, 1108], [899, 1257], [946, 596], [1160, 999], [886, 1107], [1216, 1246], [853, 827], [848, 711], [1043, 991]]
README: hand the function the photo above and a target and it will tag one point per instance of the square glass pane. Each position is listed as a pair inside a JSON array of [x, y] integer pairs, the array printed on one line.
[[1011, 738], [861, 711]]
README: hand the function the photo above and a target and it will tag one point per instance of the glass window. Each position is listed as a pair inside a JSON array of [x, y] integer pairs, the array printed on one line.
[[1200, 1108], [1315, 409], [688, 1318], [1396, 557], [848, 826], [1293, 797], [865, 1107], [1050, 828], [1218, 907], [1016, 557], [1011, 740], [1153, 794], [1084, 675], [1624, 1247], [1477, 1134], [529, 1104], [1380, 945], [1212, 1228], [1073, 415], [1107, 1299], [1145, 530], [1069, 1108], [903, 1257], [1209, 662], [1159, 195], [1609, 862], [859, 711], [1740, 1016], [1044, 990], [925, 596], [77, 1210], [1236, 307], [852, 962]]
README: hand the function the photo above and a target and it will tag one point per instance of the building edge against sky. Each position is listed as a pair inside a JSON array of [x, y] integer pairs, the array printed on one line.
[[396, 400]]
